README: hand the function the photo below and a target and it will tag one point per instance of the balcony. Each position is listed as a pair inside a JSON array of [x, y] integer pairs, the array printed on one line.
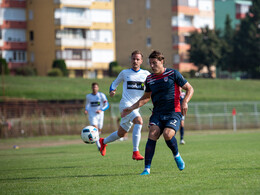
[[78, 64], [13, 3], [74, 3], [73, 22], [15, 46], [13, 24], [79, 43], [13, 65]]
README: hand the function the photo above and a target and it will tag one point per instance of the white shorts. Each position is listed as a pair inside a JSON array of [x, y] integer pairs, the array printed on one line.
[[126, 122], [96, 119]]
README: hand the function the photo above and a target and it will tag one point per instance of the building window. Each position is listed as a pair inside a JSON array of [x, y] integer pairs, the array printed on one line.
[[187, 39], [30, 14], [192, 3], [130, 21], [31, 36], [32, 57], [148, 4], [176, 59], [175, 39], [148, 42], [148, 23]]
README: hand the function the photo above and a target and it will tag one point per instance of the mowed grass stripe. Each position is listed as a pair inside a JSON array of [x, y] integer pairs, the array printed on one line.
[[225, 163]]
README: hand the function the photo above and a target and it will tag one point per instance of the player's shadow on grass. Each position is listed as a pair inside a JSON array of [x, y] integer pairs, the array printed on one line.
[[42, 168], [72, 176]]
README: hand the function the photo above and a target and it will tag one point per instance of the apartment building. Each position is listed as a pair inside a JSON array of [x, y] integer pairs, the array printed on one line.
[[144, 25], [187, 16], [13, 25], [82, 32], [162, 25], [236, 9]]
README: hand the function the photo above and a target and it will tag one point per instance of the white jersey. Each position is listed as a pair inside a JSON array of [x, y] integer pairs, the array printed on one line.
[[133, 86], [96, 102]]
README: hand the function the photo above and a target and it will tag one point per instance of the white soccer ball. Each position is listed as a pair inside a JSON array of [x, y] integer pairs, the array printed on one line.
[[89, 134]]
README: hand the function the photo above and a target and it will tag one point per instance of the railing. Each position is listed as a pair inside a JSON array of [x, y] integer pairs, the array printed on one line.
[[33, 118], [83, 22], [214, 115], [74, 2], [74, 42], [78, 63]]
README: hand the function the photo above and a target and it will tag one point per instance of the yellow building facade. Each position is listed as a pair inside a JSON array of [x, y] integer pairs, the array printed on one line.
[[81, 32]]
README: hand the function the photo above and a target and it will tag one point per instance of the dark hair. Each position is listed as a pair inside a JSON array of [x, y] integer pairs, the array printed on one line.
[[156, 54], [93, 84], [137, 52]]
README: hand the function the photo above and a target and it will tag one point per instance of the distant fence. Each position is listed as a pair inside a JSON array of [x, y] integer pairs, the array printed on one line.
[[213, 115], [33, 118]]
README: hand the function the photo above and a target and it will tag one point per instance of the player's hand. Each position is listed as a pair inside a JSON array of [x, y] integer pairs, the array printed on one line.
[[184, 108], [86, 112], [112, 93], [98, 111], [126, 111]]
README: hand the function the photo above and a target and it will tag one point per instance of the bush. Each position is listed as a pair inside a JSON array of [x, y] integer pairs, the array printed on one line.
[[111, 67], [25, 71], [60, 64], [4, 64], [55, 72], [117, 70]]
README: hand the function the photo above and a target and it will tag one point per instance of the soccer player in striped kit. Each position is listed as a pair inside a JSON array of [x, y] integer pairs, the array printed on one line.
[[162, 86]]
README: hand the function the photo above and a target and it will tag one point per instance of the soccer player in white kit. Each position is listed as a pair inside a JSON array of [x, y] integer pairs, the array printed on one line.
[[133, 89], [96, 104]]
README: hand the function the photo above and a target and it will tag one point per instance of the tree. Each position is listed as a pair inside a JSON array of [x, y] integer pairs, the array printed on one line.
[[4, 66], [226, 61], [247, 42], [205, 49], [61, 65]]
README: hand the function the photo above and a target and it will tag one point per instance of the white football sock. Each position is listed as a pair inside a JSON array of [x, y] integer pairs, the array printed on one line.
[[136, 136], [112, 137]]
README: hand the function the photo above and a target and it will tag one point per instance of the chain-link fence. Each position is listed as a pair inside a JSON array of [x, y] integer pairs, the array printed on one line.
[[213, 115], [69, 118]]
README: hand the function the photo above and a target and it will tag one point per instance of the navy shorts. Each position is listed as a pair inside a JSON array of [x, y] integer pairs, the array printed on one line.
[[171, 120]]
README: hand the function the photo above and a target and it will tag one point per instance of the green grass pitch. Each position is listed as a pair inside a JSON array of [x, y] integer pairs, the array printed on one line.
[[216, 163]]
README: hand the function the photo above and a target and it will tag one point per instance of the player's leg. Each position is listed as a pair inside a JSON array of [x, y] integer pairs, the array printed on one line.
[[154, 134], [100, 119], [138, 123], [169, 135], [124, 127]]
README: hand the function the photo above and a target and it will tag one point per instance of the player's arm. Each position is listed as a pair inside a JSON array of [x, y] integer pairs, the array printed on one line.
[[189, 94], [105, 102], [87, 105], [115, 83], [142, 101]]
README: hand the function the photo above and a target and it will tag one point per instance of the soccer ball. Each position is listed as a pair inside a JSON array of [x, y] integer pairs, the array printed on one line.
[[89, 134]]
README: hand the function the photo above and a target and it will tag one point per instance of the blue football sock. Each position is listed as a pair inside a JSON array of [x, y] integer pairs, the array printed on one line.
[[182, 132], [172, 144], [149, 152]]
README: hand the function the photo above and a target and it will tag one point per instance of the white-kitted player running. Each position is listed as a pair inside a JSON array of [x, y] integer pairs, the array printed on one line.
[[133, 89], [96, 104]]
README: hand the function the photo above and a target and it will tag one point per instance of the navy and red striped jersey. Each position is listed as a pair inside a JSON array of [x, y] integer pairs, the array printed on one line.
[[165, 90]]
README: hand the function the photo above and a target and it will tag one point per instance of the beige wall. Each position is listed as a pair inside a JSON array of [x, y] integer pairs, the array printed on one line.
[[42, 25], [133, 36]]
